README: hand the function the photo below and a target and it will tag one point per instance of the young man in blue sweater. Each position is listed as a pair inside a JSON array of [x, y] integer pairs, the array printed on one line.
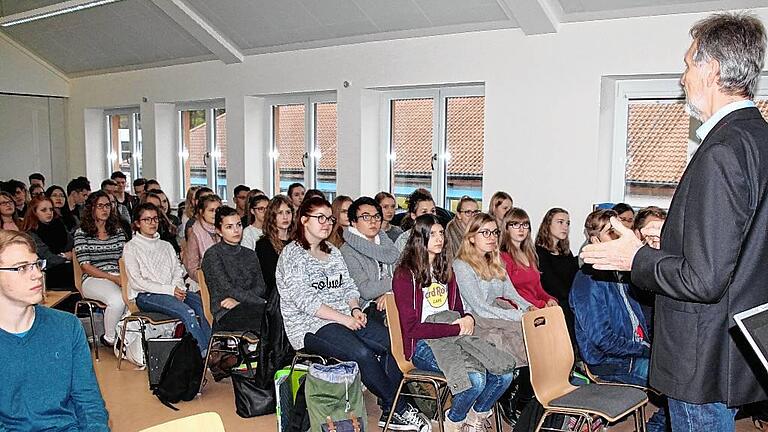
[[48, 381]]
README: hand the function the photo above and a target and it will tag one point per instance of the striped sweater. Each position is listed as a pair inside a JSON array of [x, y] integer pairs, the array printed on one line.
[[102, 254]]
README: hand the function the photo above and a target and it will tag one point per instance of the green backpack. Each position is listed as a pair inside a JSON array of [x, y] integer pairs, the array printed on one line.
[[334, 397]]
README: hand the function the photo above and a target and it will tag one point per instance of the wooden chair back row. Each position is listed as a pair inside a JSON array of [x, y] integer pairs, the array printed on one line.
[[205, 296], [396, 334]]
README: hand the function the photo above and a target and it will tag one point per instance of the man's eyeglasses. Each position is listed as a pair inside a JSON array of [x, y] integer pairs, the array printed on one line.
[[517, 225], [488, 233], [154, 219], [322, 219], [369, 217], [25, 269]]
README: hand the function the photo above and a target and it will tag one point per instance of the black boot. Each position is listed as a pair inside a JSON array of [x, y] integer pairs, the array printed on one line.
[[507, 402], [525, 392]]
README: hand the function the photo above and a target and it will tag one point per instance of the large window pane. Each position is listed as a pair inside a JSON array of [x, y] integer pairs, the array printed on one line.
[[657, 151], [464, 130], [411, 146], [124, 144], [289, 136], [220, 152], [325, 148], [194, 141]]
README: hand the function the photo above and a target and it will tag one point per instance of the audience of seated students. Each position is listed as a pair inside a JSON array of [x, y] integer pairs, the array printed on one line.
[[388, 206], [35, 190], [48, 378], [240, 193], [339, 209], [199, 194], [279, 226], [370, 255], [500, 203], [151, 185], [519, 257], [643, 218], [166, 228], [557, 264], [246, 218], [53, 242], [139, 187], [321, 311], [8, 215], [419, 203], [188, 213], [626, 214], [58, 196], [77, 192], [156, 277], [296, 193], [99, 245], [37, 179], [124, 224], [454, 231], [257, 209], [233, 275], [611, 331], [124, 198], [424, 285], [201, 236]]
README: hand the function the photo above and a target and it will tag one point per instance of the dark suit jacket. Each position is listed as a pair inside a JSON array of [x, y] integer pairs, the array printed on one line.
[[712, 264]]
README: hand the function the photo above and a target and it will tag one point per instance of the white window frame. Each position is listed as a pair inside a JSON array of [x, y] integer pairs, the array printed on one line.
[[440, 154], [311, 152], [213, 153], [661, 88], [133, 130]]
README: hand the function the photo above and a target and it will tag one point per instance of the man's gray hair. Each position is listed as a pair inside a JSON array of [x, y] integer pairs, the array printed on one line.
[[737, 41]]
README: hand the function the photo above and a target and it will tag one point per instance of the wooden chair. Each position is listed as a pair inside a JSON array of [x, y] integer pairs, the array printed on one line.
[[598, 380], [227, 336], [410, 374], [143, 318], [205, 422], [90, 304], [550, 358]]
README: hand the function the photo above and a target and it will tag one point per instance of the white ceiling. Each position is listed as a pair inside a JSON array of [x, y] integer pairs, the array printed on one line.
[[132, 34]]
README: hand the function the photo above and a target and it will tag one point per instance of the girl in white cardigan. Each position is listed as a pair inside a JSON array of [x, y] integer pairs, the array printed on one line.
[[156, 277]]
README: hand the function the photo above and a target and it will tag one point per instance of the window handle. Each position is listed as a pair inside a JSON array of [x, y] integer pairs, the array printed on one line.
[[304, 160], [206, 157], [432, 161]]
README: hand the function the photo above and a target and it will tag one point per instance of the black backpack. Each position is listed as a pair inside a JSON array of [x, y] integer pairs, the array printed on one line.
[[180, 379]]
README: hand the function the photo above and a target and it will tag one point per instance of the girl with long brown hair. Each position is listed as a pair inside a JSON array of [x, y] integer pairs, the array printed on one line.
[[520, 259], [339, 208], [53, 241], [557, 264], [279, 225], [9, 219]]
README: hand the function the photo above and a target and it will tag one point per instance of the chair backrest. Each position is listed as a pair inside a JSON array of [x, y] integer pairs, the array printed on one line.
[[396, 334], [550, 354], [124, 287], [205, 296], [78, 272], [205, 422]]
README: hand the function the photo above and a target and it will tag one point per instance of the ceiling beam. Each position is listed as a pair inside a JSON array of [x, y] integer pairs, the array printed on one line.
[[197, 26], [533, 16]]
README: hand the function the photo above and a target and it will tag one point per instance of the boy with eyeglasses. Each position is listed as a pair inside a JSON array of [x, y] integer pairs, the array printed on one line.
[[48, 378]]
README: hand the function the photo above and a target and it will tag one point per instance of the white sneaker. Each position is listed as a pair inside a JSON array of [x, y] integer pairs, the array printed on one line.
[[478, 422], [412, 416]]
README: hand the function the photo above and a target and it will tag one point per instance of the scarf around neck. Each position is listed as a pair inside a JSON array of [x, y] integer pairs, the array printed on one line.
[[206, 236]]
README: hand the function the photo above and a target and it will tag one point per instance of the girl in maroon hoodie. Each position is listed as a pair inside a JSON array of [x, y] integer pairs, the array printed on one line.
[[424, 285]]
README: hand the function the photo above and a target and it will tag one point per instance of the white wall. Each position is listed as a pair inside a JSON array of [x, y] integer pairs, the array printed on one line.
[[543, 100], [23, 73]]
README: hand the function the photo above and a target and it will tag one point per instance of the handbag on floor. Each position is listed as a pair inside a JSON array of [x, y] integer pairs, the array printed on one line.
[[334, 397]]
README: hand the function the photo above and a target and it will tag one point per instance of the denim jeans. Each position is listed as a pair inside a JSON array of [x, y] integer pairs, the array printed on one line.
[[486, 389], [369, 348], [190, 312], [688, 417], [638, 375]]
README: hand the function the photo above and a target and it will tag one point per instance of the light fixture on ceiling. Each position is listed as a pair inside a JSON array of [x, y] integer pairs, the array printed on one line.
[[51, 11]]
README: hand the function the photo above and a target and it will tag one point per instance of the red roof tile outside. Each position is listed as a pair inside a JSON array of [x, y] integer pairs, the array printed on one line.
[[465, 129]]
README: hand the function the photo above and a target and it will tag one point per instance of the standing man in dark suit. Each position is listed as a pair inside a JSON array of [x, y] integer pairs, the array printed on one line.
[[713, 253]]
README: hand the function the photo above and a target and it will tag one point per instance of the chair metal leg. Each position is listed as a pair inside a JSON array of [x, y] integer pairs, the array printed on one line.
[[205, 364], [497, 416], [122, 348], [439, 407], [394, 404]]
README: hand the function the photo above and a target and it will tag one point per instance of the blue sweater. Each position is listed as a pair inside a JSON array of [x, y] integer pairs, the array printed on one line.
[[48, 381]]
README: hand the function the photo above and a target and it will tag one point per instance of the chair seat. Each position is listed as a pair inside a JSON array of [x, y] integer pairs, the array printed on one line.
[[417, 373], [92, 302], [248, 337], [153, 317], [608, 401]]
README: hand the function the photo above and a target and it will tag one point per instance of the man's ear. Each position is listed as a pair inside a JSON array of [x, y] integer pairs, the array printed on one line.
[[712, 76]]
